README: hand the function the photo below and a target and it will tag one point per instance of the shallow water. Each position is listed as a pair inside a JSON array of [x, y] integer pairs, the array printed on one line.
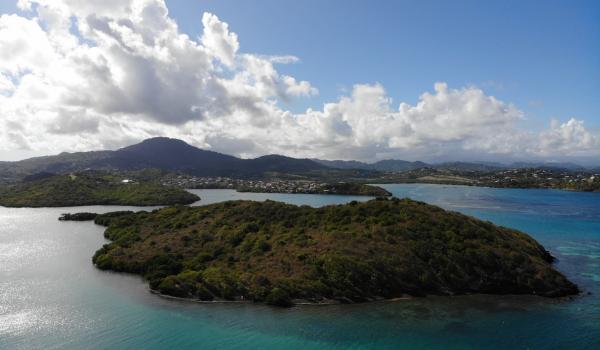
[[51, 297]]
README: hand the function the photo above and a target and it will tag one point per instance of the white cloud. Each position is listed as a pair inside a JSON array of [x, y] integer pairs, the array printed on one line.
[[286, 59], [24, 46], [83, 75], [6, 85], [570, 137], [218, 40], [444, 122]]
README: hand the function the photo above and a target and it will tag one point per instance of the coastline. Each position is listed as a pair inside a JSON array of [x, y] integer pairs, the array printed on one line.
[[376, 182], [331, 302], [295, 302], [477, 185], [317, 193]]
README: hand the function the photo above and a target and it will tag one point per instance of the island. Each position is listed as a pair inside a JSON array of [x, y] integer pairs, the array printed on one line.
[[283, 254], [90, 188], [83, 216]]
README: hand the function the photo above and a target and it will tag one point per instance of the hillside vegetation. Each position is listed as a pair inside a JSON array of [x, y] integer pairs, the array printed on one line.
[[279, 253], [90, 188], [170, 155], [356, 189]]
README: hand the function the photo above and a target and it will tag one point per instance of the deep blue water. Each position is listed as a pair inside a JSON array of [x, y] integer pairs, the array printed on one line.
[[51, 297]]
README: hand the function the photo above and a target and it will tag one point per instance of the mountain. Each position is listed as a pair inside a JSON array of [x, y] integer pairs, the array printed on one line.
[[173, 155], [466, 166], [343, 164], [283, 164], [397, 165], [161, 153], [61, 163], [393, 165]]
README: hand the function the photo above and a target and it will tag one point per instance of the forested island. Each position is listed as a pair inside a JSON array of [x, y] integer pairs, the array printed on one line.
[[90, 188], [283, 254]]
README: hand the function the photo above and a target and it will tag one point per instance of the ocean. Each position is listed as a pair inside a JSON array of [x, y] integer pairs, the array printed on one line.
[[52, 297]]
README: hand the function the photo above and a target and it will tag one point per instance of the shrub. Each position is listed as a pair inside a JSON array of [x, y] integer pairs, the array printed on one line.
[[279, 297]]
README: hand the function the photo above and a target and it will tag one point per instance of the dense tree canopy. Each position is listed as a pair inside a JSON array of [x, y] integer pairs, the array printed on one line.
[[275, 252]]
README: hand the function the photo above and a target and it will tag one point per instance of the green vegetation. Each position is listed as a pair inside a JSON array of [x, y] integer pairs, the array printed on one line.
[[589, 185], [278, 253], [356, 189], [90, 188], [78, 217]]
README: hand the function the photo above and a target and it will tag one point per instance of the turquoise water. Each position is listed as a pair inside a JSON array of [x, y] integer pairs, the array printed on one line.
[[51, 297]]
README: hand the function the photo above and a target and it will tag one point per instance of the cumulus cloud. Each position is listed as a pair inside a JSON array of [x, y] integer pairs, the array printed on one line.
[[442, 122], [218, 40], [570, 137], [24, 46], [81, 75]]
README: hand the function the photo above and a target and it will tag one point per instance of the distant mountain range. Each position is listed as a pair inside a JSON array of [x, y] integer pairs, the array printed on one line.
[[176, 155], [403, 165], [161, 153], [382, 165]]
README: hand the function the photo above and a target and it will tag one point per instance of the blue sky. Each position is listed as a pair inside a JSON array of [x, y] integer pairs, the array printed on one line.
[[519, 80], [543, 56]]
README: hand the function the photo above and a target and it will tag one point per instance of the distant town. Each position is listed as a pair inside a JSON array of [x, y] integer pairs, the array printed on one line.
[[510, 178], [507, 178], [268, 186], [542, 178], [271, 186]]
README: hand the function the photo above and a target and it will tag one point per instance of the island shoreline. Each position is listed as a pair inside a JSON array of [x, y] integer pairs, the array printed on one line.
[[566, 298]]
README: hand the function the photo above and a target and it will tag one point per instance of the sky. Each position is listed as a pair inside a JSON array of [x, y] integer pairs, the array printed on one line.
[[416, 80]]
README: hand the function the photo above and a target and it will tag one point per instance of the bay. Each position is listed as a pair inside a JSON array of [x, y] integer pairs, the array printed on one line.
[[52, 297]]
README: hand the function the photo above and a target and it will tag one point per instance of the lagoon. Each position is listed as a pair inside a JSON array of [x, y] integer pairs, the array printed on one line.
[[51, 296]]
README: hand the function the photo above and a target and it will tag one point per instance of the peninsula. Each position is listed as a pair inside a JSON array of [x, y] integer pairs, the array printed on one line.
[[90, 188], [282, 254]]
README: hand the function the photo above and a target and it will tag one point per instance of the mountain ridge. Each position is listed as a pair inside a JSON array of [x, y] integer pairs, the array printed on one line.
[[162, 153], [176, 155]]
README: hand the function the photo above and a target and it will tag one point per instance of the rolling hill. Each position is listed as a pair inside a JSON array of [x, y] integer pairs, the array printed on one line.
[[90, 188]]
